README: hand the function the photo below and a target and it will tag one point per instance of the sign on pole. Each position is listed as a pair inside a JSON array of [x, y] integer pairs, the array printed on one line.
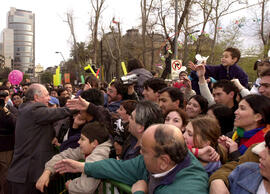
[[176, 65]]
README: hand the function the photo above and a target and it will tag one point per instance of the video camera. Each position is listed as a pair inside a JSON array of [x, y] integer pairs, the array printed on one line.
[[129, 79]]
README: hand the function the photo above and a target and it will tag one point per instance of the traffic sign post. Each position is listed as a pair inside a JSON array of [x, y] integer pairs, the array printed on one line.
[[176, 65]]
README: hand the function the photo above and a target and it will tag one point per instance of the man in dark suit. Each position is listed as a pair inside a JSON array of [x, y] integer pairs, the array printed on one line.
[[33, 135]]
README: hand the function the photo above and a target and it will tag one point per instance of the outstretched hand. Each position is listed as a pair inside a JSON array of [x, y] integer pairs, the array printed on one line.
[[43, 181], [87, 86], [192, 66], [77, 104], [200, 69], [68, 165], [237, 84], [187, 82], [140, 185]]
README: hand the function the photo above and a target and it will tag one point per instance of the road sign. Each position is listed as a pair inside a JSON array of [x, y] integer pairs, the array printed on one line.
[[175, 68], [176, 65]]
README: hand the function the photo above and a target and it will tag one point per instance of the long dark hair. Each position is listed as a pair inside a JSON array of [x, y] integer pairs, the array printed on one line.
[[225, 117], [259, 104]]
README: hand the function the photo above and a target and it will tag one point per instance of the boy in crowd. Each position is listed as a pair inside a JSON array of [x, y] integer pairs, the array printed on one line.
[[228, 69], [94, 146]]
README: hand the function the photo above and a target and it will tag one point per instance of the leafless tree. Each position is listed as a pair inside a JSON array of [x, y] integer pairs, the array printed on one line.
[[220, 7], [145, 11], [69, 20], [114, 46], [206, 7], [162, 14], [97, 6], [264, 32]]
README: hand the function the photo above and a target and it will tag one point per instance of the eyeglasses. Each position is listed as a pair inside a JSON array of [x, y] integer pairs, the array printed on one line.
[[266, 85]]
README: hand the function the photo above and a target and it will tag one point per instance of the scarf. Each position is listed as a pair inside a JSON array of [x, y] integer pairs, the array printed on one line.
[[247, 138]]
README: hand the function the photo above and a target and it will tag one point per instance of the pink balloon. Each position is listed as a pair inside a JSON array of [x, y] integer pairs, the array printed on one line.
[[15, 77]]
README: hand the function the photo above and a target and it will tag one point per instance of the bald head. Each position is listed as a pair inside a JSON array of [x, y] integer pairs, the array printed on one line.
[[167, 139], [37, 93]]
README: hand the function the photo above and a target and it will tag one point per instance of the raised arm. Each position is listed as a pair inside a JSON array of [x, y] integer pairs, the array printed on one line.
[[205, 92]]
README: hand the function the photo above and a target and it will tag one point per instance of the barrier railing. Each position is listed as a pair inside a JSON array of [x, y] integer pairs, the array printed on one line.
[[121, 187], [57, 185]]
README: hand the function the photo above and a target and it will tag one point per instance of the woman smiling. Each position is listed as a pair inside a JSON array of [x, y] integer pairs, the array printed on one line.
[[252, 119]]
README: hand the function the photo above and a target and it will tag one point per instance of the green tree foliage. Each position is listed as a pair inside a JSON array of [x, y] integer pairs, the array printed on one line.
[[247, 64], [83, 52], [46, 77]]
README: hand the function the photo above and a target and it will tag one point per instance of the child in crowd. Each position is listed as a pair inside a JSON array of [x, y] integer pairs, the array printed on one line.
[[94, 146], [227, 70]]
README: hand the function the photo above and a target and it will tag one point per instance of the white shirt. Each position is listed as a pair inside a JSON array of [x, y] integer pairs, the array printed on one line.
[[261, 189], [163, 173]]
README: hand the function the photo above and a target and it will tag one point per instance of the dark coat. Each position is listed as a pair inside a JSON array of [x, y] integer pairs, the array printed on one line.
[[33, 136], [7, 127]]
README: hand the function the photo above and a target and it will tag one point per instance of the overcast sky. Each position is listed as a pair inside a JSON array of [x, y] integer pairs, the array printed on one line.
[[52, 34]]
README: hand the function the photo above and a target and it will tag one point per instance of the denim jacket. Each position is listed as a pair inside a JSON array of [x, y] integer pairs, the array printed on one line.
[[245, 179]]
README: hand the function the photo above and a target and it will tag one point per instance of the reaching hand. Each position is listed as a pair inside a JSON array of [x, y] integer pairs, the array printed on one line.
[[200, 69], [228, 143], [187, 82], [87, 86], [55, 142], [208, 154], [77, 104], [237, 84], [232, 145], [68, 165], [140, 185], [222, 141], [192, 66], [118, 148], [67, 183], [43, 180]]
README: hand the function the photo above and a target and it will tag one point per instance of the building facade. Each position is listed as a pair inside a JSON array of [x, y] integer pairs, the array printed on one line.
[[23, 24], [7, 42]]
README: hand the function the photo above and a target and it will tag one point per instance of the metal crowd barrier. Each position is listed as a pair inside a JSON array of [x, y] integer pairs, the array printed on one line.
[[57, 185]]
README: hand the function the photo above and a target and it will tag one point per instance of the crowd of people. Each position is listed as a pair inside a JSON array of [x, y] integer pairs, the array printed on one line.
[[207, 132]]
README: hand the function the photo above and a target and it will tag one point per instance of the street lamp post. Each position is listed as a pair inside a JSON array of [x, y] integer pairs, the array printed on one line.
[[57, 52], [62, 69]]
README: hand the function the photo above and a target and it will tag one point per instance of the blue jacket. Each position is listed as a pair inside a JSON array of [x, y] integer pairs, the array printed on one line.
[[219, 72], [245, 179], [113, 106]]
